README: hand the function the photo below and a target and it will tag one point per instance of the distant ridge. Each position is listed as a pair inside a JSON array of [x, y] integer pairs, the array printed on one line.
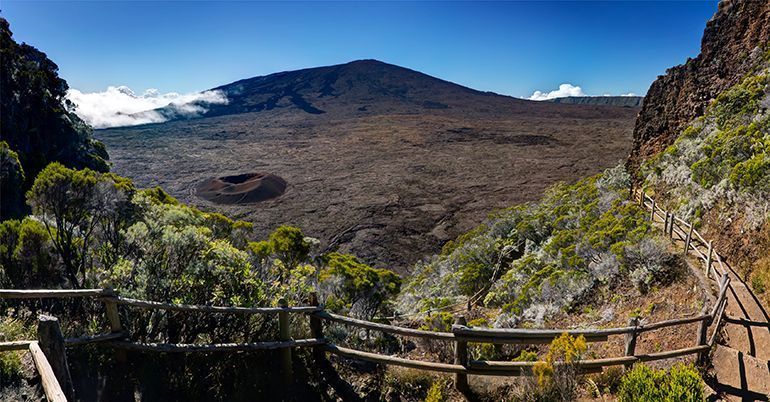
[[359, 88], [624, 101]]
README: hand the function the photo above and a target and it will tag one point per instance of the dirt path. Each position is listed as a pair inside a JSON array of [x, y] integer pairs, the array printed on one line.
[[740, 361]]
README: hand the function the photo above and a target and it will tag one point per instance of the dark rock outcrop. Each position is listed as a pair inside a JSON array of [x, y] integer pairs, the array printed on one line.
[[733, 41]]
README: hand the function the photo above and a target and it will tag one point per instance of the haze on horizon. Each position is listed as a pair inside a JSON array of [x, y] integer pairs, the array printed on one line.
[[126, 57]]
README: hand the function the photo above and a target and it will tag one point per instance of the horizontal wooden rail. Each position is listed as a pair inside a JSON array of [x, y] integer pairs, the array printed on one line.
[[14, 345], [46, 294], [590, 363], [526, 334], [396, 361], [417, 333], [83, 340], [216, 347], [153, 305], [673, 322], [51, 387]]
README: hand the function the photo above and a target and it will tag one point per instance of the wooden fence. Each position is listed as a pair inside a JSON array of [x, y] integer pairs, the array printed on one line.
[[460, 335]]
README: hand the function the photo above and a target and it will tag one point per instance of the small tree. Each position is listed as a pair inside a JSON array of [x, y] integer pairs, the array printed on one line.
[[11, 183], [349, 284], [557, 376], [64, 199]]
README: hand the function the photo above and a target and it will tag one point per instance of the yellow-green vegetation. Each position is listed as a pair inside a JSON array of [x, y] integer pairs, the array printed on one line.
[[642, 383], [438, 392], [760, 278], [721, 164], [533, 260], [723, 156], [37, 123], [565, 349], [356, 287], [415, 385], [92, 229], [12, 179], [556, 377], [12, 329]]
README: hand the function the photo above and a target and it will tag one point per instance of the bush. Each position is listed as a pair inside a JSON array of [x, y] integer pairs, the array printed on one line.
[[350, 285], [760, 278], [11, 183], [12, 329], [642, 383], [557, 375], [608, 381], [437, 392], [535, 260]]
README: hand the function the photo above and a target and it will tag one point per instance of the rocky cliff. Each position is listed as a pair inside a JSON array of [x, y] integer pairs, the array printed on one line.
[[732, 44]]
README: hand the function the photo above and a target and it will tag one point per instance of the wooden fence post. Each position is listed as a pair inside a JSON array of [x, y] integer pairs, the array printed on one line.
[[708, 261], [688, 239], [284, 334], [111, 307], [701, 334], [631, 338], [665, 223], [652, 211], [51, 342], [316, 327], [113, 316], [671, 226], [641, 197], [461, 358]]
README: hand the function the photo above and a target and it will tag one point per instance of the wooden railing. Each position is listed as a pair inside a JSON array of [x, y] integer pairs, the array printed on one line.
[[460, 334]]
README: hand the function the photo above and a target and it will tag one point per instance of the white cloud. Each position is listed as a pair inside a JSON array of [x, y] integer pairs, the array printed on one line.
[[563, 91], [120, 106]]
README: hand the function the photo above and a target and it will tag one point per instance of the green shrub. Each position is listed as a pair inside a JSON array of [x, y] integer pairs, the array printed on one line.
[[608, 381], [533, 260], [437, 392], [12, 329], [760, 278], [347, 282], [642, 383]]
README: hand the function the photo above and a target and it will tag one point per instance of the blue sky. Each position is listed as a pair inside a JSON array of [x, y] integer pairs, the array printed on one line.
[[513, 48]]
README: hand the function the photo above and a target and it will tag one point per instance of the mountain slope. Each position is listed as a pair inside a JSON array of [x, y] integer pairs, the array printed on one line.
[[360, 88], [379, 160]]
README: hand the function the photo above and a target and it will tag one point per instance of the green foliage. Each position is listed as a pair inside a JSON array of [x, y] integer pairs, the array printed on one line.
[[12, 329], [66, 199], [608, 381], [350, 282], [412, 384], [526, 356], [440, 321], [722, 159], [557, 376], [289, 245], [739, 101], [36, 120], [534, 259], [642, 383], [12, 181], [438, 392], [158, 196], [760, 278]]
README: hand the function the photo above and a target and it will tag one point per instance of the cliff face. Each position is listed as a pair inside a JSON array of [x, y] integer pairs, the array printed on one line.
[[732, 45]]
